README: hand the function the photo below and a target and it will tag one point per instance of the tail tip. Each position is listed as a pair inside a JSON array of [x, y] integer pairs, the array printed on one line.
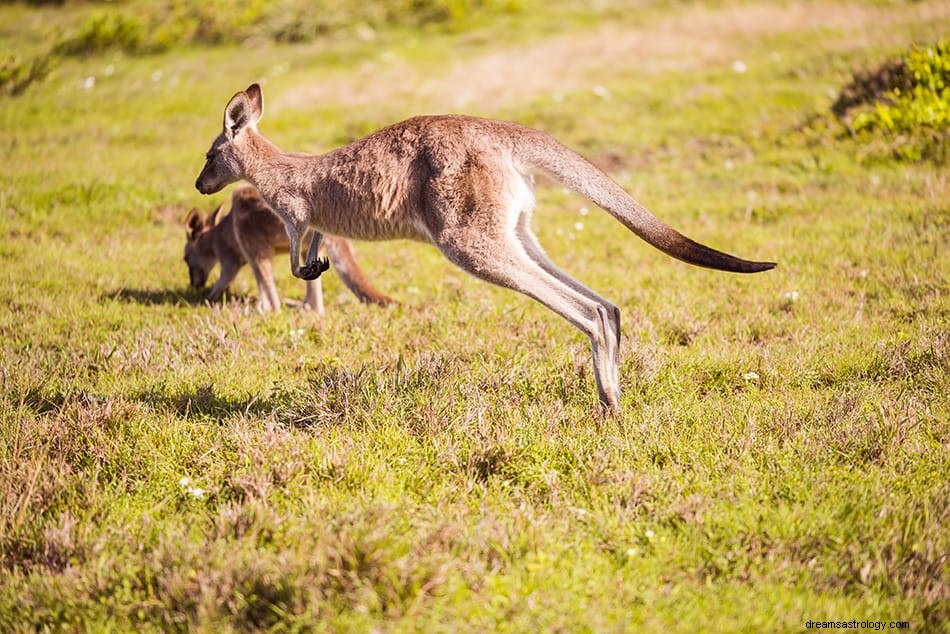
[[758, 267]]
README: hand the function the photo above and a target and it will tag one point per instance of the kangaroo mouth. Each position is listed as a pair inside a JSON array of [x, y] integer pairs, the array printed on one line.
[[202, 188]]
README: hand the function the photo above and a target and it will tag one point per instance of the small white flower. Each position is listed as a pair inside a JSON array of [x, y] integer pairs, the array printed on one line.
[[184, 481], [89, 83], [296, 333], [739, 66], [631, 552], [791, 296], [578, 226], [751, 376], [601, 91], [197, 492], [583, 211], [649, 534]]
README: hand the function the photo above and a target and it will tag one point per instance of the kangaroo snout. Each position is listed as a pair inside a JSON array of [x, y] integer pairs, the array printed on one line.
[[198, 278], [210, 180], [207, 188], [202, 187]]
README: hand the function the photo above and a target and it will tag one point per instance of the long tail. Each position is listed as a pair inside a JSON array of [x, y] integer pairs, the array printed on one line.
[[340, 252], [579, 174]]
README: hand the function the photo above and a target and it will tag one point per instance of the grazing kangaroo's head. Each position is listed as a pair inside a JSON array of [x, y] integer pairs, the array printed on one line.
[[199, 251], [224, 164]]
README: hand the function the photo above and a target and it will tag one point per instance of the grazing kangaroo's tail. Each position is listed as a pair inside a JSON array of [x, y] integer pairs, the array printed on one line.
[[579, 174], [340, 252]]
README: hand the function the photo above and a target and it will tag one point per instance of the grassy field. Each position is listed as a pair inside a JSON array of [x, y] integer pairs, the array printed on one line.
[[783, 450]]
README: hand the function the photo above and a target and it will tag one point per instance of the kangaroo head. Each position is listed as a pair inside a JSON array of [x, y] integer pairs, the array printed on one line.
[[199, 250], [224, 162]]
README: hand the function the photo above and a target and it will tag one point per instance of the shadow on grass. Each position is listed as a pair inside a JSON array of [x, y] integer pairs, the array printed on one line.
[[174, 297], [202, 403], [333, 395], [155, 297]]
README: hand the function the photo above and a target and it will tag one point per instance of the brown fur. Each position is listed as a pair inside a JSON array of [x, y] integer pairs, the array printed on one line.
[[460, 183], [251, 234]]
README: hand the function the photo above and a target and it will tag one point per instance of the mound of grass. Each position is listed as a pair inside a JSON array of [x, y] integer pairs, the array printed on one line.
[[903, 106]]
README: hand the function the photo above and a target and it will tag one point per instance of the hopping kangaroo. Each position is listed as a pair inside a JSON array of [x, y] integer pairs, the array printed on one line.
[[251, 234], [460, 183]]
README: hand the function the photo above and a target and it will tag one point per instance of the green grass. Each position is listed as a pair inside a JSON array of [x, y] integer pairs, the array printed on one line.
[[782, 450]]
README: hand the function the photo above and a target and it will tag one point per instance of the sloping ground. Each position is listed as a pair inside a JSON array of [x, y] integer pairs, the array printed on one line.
[[694, 38]]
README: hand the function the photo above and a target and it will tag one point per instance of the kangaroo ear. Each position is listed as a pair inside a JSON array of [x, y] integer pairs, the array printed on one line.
[[256, 98], [213, 218], [237, 115], [193, 224]]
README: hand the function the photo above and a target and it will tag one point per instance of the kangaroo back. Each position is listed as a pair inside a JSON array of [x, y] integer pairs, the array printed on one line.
[[582, 176]]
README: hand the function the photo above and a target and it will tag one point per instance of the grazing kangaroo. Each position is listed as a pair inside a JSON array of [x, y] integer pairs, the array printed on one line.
[[460, 183], [251, 234]]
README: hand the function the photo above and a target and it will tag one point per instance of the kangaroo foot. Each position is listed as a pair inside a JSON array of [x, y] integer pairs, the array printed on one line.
[[314, 268]]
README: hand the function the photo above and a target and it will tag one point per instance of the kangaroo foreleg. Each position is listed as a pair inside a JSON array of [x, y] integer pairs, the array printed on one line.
[[315, 265], [229, 271]]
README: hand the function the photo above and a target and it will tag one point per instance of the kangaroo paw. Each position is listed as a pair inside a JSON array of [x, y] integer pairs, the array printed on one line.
[[314, 269]]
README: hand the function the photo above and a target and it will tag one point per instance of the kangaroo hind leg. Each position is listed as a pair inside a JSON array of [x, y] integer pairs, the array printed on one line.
[[266, 288], [611, 317], [508, 264]]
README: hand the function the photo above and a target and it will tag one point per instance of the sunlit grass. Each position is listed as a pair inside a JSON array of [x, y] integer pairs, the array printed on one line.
[[440, 464]]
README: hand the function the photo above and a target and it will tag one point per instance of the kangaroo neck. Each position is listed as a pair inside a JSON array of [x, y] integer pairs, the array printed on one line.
[[271, 170]]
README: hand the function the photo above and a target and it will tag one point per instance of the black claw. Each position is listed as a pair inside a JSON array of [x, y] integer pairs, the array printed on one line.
[[313, 270]]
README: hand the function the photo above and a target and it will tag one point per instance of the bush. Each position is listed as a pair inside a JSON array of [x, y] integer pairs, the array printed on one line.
[[151, 27], [905, 103], [105, 31], [16, 75]]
